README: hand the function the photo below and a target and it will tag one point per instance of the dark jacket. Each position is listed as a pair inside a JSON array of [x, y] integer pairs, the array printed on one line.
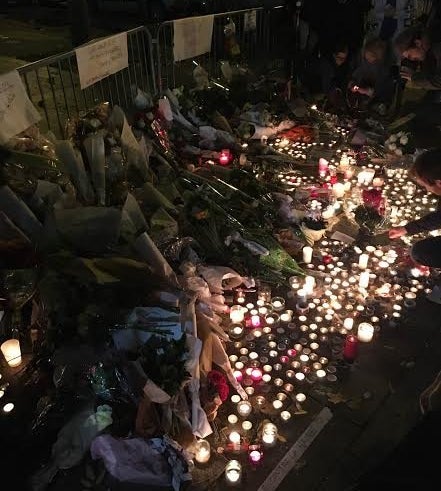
[[429, 76], [427, 223], [377, 76]]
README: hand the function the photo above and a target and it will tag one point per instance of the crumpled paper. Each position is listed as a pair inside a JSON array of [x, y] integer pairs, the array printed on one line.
[[157, 462]]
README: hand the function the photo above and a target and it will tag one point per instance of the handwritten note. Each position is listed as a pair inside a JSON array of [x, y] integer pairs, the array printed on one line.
[[192, 37], [102, 58], [17, 113]]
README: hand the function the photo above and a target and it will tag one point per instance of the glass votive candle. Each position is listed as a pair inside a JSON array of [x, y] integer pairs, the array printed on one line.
[[202, 451], [236, 331], [255, 454], [300, 397], [278, 303], [233, 472], [237, 314], [249, 391], [260, 400], [269, 434], [244, 408]]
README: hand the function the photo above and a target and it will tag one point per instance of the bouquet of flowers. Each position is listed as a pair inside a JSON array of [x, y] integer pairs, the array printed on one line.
[[370, 215], [399, 143]]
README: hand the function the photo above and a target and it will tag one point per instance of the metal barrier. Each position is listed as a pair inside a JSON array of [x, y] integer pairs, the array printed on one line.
[[53, 83], [258, 44]]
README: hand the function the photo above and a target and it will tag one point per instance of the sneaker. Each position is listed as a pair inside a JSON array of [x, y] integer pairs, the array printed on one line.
[[435, 295], [430, 398]]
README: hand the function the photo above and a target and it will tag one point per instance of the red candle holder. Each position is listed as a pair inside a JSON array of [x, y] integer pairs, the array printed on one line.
[[225, 156], [255, 455], [350, 349], [256, 374]]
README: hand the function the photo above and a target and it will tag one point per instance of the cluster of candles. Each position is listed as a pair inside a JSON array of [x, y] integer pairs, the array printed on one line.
[[339, 298]]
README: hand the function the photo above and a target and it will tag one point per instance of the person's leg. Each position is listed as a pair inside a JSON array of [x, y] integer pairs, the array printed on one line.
[[427, 252]]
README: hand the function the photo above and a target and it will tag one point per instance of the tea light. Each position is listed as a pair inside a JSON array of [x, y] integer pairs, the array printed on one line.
[[266, 378], [320, 374], [244, 408], [300, 397], [237, 313], [269, 434], [7, 408], [260, 400], [363, 261], [278, 303], [11, 351], [307, 254], [232, 419], [247, 425], [286, 316], [285, 415], [234, 437], [348, 323], [202, 451], [365, 332], [277, 404], [236, 332], [300, 376], [233, 472]]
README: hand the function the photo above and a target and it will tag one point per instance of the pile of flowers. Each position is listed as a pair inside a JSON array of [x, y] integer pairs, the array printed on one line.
[[399, 143]]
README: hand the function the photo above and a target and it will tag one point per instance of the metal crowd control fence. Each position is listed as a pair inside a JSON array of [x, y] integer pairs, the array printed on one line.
[[53, 83], [259, 42]]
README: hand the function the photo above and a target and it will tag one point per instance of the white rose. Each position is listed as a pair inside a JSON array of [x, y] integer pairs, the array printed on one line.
[[404, 140], [398, 151], [393, 138], [392, 146]]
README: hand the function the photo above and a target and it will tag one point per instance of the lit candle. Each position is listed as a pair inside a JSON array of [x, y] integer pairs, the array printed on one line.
[[323, 166], [365, 332], [286, 316], [278, 303], [233, 472], [255, 321], [255, 455], [234, 438], [348, 323], [300, 397], [364, 279], [11, 351], [350, 348], [269, 434], [202, 451], [363, 261], [285, 415], [237, 313], [244, 408], [307, 254], [277, 404]]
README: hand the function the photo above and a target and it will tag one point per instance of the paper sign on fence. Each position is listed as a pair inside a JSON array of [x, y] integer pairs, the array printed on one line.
[[192, 37], [250, 21], [17, 113], [102, 58]]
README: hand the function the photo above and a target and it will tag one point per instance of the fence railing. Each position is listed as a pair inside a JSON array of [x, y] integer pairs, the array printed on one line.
[[257, 34], [53, 83]]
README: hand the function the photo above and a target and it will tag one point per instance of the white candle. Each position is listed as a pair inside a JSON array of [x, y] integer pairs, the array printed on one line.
[[348, 323], [233, 472], [11, 351], [237, 313], [244, 408], [309, 285], [363, 261], [277, 404], [285, 415], [365, 332], [364, 279], [202, 453], [234, 437], [269, 433], [307, 254]]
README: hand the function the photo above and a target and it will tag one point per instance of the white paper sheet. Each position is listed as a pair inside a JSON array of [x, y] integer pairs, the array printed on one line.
[[192, 37], [102, 58], [17, 113]]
